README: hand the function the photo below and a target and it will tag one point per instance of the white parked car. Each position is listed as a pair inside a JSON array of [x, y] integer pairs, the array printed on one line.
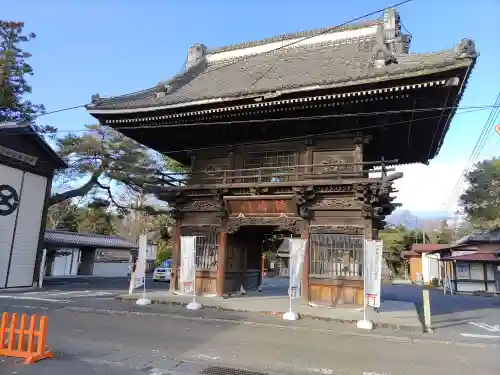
[[162, 273]]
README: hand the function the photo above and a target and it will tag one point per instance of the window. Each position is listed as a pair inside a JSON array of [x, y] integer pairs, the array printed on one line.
[[463, 271], [278, 165], [336, 255], [469, 271], [207, 250]]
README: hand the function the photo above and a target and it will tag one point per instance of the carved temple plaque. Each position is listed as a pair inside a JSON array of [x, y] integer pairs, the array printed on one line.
[[262, 206]]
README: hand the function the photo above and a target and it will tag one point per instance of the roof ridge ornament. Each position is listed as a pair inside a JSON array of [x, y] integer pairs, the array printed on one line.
[[196, 62], [382, 55], [466, 49]]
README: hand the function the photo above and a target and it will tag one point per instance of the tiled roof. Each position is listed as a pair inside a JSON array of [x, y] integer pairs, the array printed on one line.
[[6, 127], [337, 64], [492, 235], [64, 238], [476, 257], [299, 34], [428, 247]]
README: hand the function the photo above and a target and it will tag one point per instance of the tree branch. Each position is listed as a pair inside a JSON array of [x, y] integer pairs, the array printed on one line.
[[78, 192], [150, 211]]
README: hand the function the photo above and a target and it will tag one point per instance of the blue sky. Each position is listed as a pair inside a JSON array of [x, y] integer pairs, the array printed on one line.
[[115, 47]]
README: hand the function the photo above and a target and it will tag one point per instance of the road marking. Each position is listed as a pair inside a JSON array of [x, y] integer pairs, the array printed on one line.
[[325, 371], [31, 307], [374, 373], [476, 336], [495, 328], [35, 298], [205, 357], [69, 294]]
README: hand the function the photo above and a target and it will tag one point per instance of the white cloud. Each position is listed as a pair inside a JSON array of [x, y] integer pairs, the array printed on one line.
[[428, 187]]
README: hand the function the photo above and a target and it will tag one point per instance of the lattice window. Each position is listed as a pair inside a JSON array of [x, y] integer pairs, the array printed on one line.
[[207, 250], [336, 255], [277, 164]]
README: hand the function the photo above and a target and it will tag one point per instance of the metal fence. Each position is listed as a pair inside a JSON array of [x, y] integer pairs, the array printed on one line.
[[336, 255]]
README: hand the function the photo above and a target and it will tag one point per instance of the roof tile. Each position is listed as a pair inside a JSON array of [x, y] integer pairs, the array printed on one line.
[[341, 64], [64, 238]]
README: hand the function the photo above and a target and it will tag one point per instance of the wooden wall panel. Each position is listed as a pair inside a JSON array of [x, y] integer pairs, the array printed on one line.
[[332, 292]]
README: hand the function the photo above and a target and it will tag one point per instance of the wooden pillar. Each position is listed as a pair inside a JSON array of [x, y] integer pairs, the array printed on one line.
[[309, 156], [176, 254], [304, 284], [221, 264]]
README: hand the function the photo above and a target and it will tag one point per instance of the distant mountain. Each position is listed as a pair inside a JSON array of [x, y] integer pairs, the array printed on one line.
[[416, 220]]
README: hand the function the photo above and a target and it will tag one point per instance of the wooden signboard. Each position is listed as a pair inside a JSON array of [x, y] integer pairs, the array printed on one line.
[[261, 207]]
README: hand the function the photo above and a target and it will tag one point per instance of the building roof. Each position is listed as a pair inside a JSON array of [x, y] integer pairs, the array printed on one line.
[[17, 128], [65, 238], [475, 257], [320, 59], [420, 248], [487, 236]]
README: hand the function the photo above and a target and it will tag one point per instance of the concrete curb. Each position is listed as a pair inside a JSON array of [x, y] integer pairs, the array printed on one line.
[[419, 329]]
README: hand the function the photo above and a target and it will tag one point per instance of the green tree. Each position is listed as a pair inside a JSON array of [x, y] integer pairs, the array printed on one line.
[[14, 72], [95, 218], [107, 161], [481, 199], [14, 69], [102, 162], [396, 240]]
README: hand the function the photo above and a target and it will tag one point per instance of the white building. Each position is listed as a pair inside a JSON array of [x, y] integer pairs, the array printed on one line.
[[27, 165], [86, 254]]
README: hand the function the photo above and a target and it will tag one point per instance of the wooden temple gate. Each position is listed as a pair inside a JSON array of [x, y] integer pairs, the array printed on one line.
[[296, 139]]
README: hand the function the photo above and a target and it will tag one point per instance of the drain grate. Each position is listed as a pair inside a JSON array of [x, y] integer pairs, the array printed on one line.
[[221, 370]]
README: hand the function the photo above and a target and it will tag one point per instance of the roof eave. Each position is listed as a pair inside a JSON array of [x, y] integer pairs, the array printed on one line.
[[465, 63], [29, 130]]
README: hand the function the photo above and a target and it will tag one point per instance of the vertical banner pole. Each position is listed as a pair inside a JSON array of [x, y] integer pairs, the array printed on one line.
[[131, 284], [295, 254], [191, 242], [365, 323], [41, 271], [141, 260], [427, 311], [365, 274]]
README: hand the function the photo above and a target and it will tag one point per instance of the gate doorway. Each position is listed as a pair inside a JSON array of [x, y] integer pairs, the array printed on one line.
[[254, 249]]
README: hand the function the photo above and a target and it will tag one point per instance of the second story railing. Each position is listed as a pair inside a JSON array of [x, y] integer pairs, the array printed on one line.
[[340, 171]]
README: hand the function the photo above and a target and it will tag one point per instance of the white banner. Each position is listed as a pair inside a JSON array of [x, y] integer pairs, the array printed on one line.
[[188, 264], [373, 272], [297, 248], [140, 265]]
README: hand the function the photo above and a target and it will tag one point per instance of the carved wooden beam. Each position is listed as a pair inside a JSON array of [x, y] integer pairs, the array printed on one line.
[[291, 224], [340, 229]]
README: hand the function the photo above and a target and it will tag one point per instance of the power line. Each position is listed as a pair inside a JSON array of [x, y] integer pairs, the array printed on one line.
[[485, 134], [299, 40]]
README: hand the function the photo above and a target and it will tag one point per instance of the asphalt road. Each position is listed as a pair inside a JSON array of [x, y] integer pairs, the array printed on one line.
[[459, 316], [103, 336]]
